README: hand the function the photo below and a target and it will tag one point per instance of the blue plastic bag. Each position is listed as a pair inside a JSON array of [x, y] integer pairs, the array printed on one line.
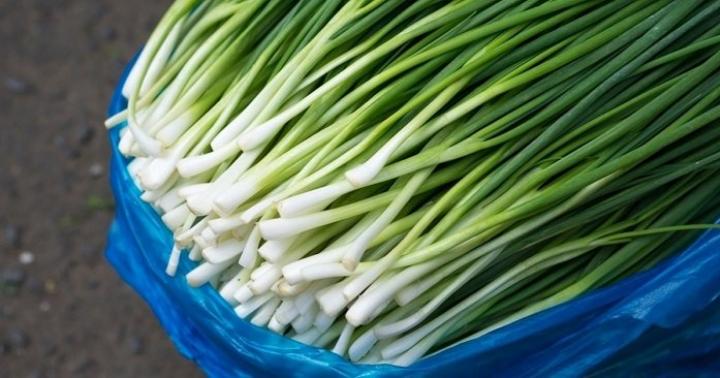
[[665, 321]]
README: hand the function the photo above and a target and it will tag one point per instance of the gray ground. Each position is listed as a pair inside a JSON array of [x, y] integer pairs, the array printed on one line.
[[66, 313]]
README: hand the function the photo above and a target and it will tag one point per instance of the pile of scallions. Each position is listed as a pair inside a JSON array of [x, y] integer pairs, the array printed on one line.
[[388, 178]]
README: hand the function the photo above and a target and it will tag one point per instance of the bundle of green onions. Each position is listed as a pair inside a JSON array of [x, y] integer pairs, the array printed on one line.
[[387, 178]]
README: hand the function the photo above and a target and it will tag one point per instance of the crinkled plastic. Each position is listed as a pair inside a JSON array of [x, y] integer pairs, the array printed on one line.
[[663, 322]]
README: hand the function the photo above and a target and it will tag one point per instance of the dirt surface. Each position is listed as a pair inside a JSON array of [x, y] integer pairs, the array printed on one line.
[[63, 310]]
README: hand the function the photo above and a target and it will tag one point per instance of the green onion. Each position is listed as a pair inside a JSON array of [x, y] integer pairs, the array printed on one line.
[[386, 180]]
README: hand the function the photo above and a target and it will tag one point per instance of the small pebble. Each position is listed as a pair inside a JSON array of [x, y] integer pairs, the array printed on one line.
[[26, 258], [35, 286], [17, 339], [73, 153], [49, 286], [49, 349], [96, 170], [13, 235], [17, 86], [108, 33], [118, 334], [72, 308], [137, 345], [12, 277], [83, 365], [85, 135], [44, 306]]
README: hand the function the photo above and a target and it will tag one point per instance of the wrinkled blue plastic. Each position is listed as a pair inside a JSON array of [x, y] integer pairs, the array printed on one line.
[[664, 322]]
